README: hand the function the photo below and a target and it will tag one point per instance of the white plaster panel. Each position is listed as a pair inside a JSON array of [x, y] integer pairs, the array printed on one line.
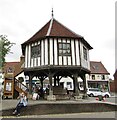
[[35, 62], [60, 60], [72, 52], [68, 41], [69, 60], [46, 52], [77, 53], [51, 51], [64, 60], [26, 57], [42, 53], [29, 55], [55, 52], [59, 40], [32, 62], [38, 61]]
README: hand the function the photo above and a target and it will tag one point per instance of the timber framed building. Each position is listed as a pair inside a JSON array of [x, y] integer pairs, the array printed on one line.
[[55, 52]]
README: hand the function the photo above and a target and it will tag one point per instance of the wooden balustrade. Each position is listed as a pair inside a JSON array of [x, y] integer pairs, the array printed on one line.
[[20, 87]]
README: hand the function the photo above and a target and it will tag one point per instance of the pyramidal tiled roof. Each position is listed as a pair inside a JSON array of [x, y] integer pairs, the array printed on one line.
[[53, 28], [98, 68]]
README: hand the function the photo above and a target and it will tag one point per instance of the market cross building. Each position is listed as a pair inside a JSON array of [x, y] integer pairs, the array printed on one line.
[[54, 52]]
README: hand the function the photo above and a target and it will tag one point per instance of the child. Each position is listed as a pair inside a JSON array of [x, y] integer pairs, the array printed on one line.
[[22, 103]]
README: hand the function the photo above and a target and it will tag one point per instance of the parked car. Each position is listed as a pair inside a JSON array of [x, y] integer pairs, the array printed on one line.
[[106, 94], [92, 92]]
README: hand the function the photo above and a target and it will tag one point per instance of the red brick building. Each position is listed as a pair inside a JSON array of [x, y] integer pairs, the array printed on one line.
[[113, 84]]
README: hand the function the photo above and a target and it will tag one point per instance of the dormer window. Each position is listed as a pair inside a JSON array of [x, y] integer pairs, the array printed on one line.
[[85, 53], [35, 51], [64, 49], [93, 77], [10, 70], [103, 77]]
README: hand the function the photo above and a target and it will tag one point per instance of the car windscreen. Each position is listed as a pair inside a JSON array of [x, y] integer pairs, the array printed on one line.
[[94, 90]]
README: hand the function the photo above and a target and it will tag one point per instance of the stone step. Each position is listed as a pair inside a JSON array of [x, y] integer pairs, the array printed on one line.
[[62, 108]]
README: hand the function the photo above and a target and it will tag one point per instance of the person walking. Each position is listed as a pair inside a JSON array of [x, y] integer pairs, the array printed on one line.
[[22, 103]]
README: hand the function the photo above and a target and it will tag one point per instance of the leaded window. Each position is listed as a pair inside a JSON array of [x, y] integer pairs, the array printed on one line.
[[85, 53], [64, 49], [35, 51]]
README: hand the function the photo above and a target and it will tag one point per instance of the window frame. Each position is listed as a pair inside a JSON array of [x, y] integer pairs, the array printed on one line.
[[65, 49], [103, 77], [85, 53], [35, 51], [93, 77], [10, 70]]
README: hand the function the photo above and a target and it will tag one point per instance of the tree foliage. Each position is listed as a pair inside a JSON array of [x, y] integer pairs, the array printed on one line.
[[21, 79], [5, 47]]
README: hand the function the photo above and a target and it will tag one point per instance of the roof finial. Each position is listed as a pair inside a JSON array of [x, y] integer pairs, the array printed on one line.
[[52, 13]]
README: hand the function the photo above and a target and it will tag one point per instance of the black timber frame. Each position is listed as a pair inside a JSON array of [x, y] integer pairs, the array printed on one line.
[[56, 72]]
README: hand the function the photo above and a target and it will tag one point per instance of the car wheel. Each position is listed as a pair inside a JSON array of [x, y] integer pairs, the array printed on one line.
[[106, 96], [91, 95]]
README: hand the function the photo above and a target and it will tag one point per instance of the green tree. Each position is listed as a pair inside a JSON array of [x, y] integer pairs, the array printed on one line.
[[21, 79], [5, 47]]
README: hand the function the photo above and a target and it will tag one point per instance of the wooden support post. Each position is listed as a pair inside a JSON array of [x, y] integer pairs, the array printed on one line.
[[76, 90], [54, 80], [51, 96], [41, 78], [30, 86], [41, 82], [50, 87], [84, 86], [58, 80]]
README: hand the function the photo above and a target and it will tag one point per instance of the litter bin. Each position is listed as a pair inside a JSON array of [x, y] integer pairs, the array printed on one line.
[[100, 97]]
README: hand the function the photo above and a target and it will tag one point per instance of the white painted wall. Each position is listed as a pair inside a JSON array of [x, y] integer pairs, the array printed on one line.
[[97, 77], [29, 55], [42, 53], [77, 53], [66, 80], [46, 52], [73, 52], [51, 51]]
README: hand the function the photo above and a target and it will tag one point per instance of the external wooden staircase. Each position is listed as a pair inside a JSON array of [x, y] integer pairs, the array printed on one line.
[[20, 87]]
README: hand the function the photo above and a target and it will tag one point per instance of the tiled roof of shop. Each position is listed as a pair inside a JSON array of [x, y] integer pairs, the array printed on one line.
[[98, 68], [14, 67]]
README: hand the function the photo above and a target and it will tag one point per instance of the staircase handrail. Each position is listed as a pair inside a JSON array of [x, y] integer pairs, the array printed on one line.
[[21, 85]]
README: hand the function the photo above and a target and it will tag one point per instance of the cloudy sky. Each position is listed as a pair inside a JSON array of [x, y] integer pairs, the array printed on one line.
[[92, 19]]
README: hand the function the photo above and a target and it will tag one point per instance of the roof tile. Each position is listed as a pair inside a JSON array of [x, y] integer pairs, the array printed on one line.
[[57, 29], [97, 68]]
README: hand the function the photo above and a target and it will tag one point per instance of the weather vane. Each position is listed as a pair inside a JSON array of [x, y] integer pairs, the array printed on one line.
[[52, 13]]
